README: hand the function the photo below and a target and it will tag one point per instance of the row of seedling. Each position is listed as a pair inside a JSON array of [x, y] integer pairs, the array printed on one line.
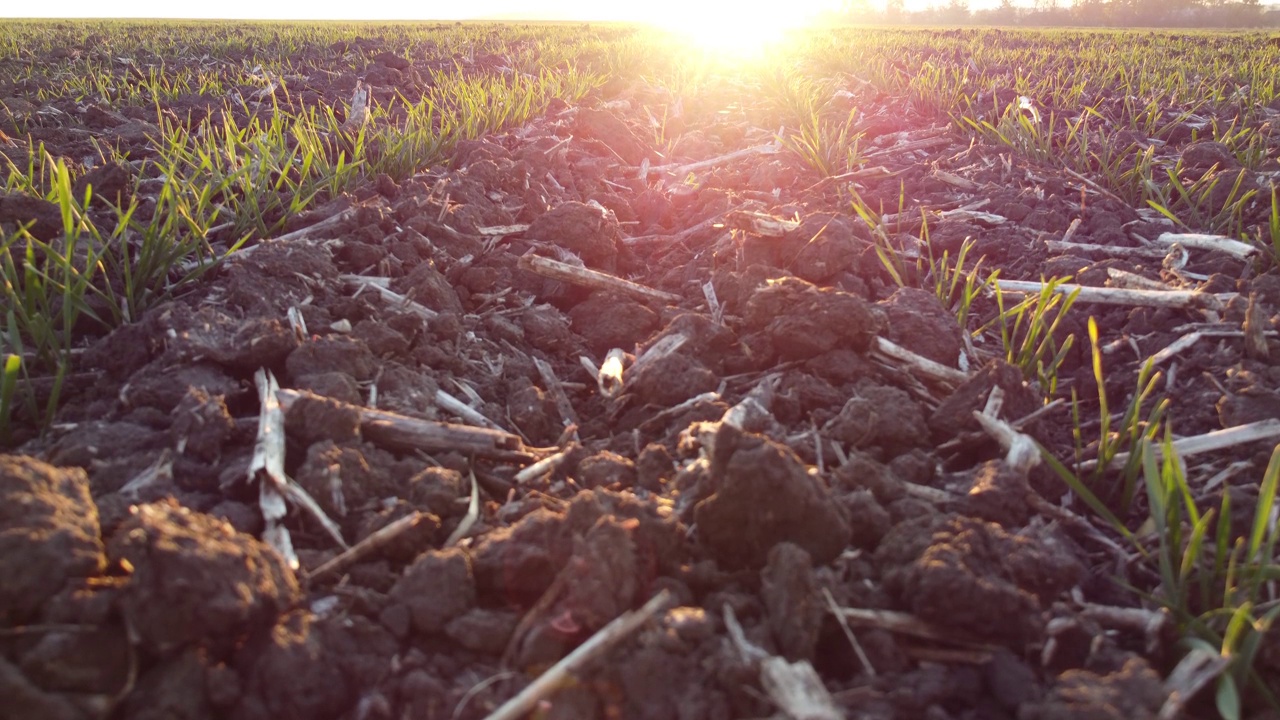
[[1217, 583]]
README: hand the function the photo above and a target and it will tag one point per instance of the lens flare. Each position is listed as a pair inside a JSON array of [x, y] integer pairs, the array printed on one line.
[[740, 31]]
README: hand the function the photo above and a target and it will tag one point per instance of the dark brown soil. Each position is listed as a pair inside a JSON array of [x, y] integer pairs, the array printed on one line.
[[770, 460]]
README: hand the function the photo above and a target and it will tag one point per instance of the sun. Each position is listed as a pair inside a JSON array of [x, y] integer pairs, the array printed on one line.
[[742, 30]]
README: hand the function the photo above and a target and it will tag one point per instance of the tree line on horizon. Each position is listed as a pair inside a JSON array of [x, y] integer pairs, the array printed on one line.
[[1081, 13]]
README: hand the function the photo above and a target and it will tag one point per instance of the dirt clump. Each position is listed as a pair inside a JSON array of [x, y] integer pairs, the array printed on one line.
[[195, 580], [762, 495], [48, 531]]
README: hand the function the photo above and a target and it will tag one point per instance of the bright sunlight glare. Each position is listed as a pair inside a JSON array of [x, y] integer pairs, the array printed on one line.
[[740, 31]]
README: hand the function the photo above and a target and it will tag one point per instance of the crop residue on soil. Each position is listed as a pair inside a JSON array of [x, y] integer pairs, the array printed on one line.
[[784, 442]]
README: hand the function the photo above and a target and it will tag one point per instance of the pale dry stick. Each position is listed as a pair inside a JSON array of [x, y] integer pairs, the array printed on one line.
[[1255, 334], [674, 410], [925, 144], [593, 279], [400, 432], [753, 412], [1108, 250], [907, 624], [848, 633], [551, 680], [663, 347], [955, 180], [1150, 623], [1196, 670], [1123, 279], [468, 520], [1095, 186], [681, 170], [496, 230], [306, 232], [556, 389], [909, 220], [876, 171], [1070, 233], [1022, 454], [267, 465], [794, 687], [545, 465], [713, 302], [995, 402], [1268, 429], [297, 323], [379, 285], [937, 496], [1201, 241], [300, 235], [797, 689], [982, 218], [1037, 414], [465, 411], [1018, 424], [157, 474], [1192, 338], [761, 223], [1186, 299], [917, 364], [1225, 474], [685, 234], [368, 546]]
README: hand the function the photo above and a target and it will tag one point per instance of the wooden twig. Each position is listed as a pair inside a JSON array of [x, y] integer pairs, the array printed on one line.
[[1021, 452], [543, 466], [982, 218], [1117, 278], [1116, 296], [1268, 429], [400, 432], [907, 624], [1219, 243], [901, 148], [465, 411], [875, 171], [664, 346], [917, 364], [834, 609], [1108, 250], [683, 234], [1094, 186], [306, 232], [794, 687], [680, 170], [556, 390], [551, 680], [1071, 231], [1192, 338], [274, 486], [379, 285], [498, 230], [1195, 671], [368, 546], [593, 279], [468, 520], [798, 690], [955, 180]]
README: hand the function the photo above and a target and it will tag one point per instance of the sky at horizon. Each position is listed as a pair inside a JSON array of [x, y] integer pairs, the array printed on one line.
[[390, 9]]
